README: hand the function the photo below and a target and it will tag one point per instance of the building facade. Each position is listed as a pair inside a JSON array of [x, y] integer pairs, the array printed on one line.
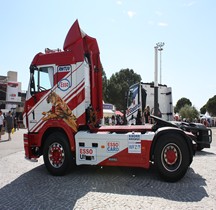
[[11, 97]]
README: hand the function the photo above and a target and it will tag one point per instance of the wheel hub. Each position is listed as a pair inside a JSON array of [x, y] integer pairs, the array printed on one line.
[[56, 155], [170, 155]]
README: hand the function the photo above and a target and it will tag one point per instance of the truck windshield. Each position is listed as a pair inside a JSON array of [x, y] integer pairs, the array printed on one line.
[[43, 79], [133, 91]]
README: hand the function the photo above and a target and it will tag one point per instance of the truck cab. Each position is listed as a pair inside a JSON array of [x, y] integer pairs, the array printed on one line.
[[68, 75], [141, 95]]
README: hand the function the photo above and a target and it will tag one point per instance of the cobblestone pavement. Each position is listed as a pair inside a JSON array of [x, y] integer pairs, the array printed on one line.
[[27, 185]]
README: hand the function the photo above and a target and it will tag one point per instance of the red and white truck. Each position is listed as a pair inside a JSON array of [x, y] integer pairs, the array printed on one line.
[[63, 110]]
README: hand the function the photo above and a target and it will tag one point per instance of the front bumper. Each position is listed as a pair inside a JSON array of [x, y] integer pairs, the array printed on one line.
[[31, 149], [204, 137]]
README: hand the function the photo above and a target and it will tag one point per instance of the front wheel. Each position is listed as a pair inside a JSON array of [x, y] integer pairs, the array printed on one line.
[[56, 154], [171, 157]]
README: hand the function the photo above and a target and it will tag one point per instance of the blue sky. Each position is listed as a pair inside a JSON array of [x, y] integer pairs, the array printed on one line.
[[126, 31]]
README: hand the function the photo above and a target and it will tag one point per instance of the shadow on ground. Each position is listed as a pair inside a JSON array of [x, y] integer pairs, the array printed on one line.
[[37, 189], [5, 140], [204, 153]]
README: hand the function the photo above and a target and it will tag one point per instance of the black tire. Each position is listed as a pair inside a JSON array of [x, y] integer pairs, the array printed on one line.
[[171, 157], [56, 154]]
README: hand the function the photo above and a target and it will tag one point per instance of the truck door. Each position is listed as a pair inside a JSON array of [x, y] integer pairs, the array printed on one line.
[[41, 82]]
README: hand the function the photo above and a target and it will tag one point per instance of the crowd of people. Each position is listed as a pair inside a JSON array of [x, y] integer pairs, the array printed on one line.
[[114, 120], [139, 120], [145, 118], [9, 122], [208, 122]]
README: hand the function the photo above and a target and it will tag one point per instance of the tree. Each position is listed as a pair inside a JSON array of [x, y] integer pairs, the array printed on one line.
[[203, 109], [118, 86], [211, 106], [189, 112], [105, 84], [181, 103]]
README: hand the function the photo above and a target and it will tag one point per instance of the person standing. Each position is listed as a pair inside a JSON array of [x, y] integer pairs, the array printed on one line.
[[110, 121], [1, 122], [147, 114], [9, 123], [15, 122], [139, 118]]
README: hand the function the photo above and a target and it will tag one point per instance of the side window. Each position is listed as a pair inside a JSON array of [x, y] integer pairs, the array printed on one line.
[[44, 78], [132, 94], [129, 101]]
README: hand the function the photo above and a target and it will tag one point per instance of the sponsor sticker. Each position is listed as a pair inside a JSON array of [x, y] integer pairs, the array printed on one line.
[[87, 153], [134, 148], [134, 143], [64, 68], [113, 146], [64, 84], [134, 137]]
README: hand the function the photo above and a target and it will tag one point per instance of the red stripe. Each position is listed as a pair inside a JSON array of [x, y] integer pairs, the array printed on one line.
[[79, 86], [36, 126], [54, 88], [77, 100], [73, 103]]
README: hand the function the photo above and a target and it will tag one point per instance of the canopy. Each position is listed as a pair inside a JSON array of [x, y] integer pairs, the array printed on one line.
[[206, 117], [108, 113], [119, 113]]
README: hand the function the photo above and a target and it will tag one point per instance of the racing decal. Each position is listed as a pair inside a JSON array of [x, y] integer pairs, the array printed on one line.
[[60, 110], [54, 89], [87, 154], [78, 111], [130, 149], [131, 110], [134, 143], [68, 95], [113, 146]]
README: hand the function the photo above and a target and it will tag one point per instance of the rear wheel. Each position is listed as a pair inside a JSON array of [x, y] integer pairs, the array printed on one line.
[[171, 157], [57, 155]]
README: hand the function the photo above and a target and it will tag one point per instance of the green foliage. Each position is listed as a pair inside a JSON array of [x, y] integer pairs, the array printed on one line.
[[203, 110], [181, 103], [115, 88], [105, 84], [189, 112], [211, 106], [118, 85]]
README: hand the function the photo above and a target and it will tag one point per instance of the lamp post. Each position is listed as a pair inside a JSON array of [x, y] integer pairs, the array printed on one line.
[[158, 47], [156, 82]]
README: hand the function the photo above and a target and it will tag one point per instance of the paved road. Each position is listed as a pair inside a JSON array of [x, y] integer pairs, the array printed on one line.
[[27, 185], [11, 147]]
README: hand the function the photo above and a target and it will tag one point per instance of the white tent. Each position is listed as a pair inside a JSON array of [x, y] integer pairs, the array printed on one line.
[[108, 113], [206, 116]]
